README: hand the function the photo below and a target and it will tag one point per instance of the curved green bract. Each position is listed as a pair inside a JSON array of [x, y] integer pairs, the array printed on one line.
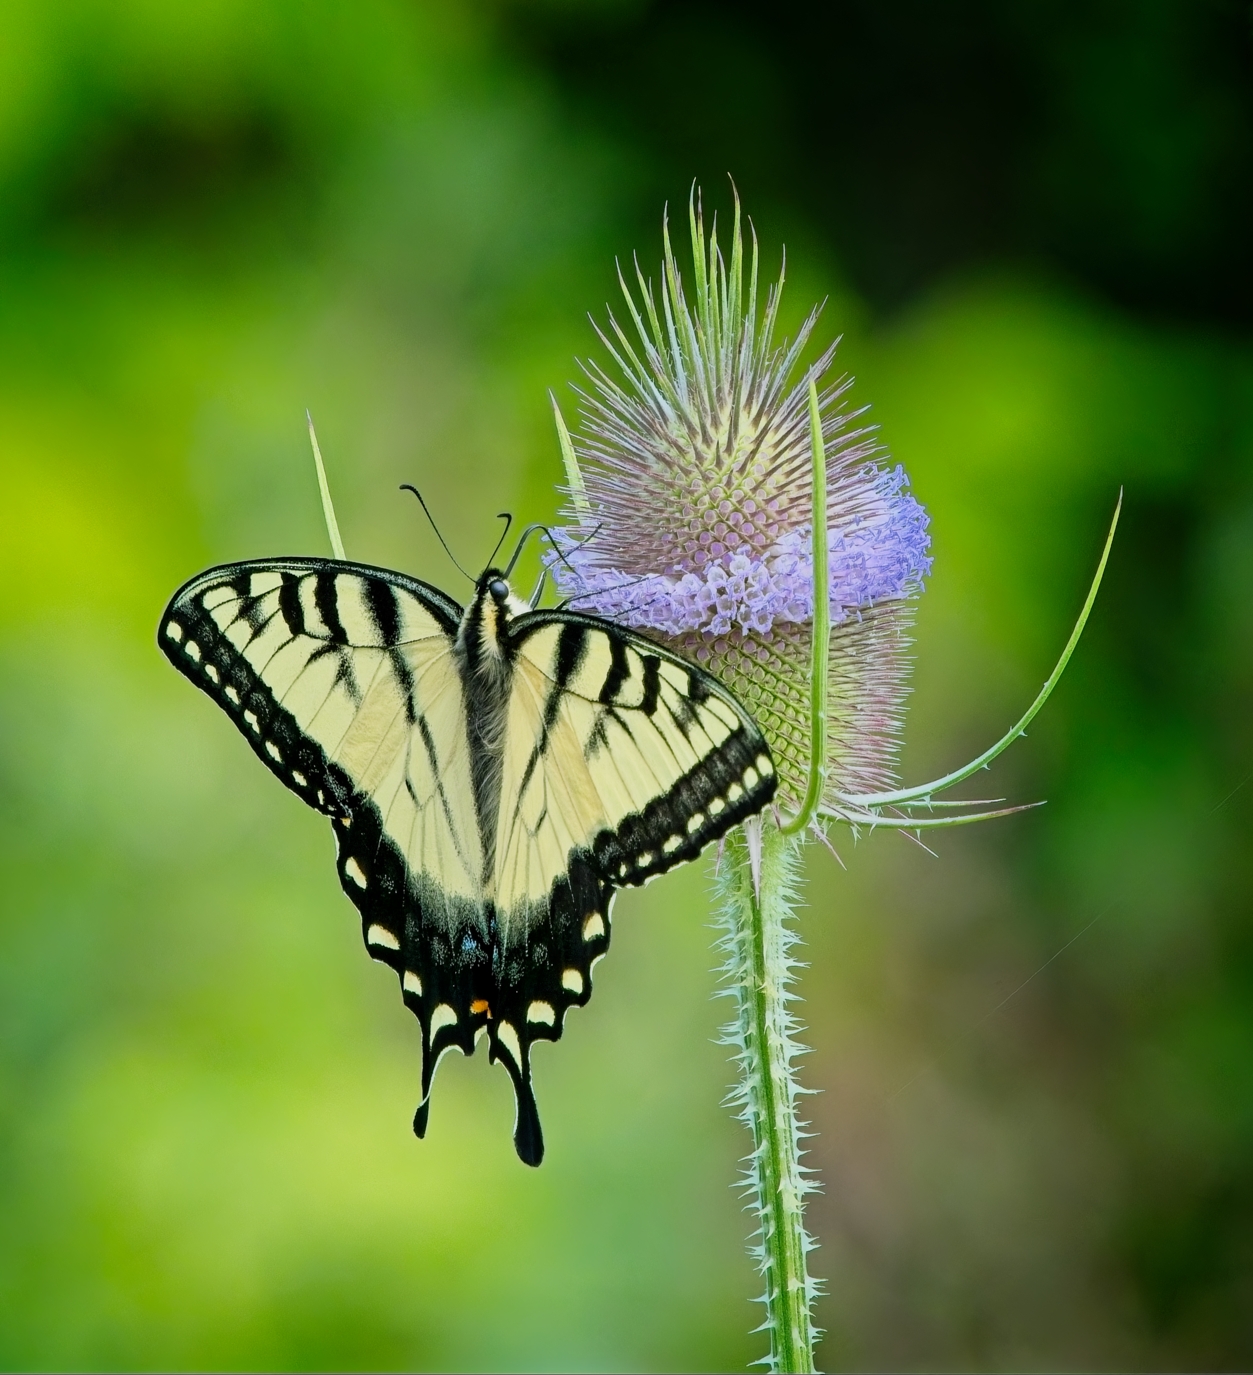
[[818, 671], [923, 823], [574, 478], [328, 509], [923, 791]]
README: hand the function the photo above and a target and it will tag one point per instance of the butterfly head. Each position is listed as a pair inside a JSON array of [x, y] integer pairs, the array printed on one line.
[[494, 588], [487, 618]]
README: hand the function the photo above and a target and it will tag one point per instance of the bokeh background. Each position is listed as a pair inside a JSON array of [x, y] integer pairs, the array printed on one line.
[[1031, 221]]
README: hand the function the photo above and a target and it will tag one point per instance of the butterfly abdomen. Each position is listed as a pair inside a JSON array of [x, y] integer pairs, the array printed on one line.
[[484, 663]]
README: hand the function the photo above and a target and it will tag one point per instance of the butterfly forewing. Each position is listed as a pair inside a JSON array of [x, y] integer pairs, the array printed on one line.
[[661, 756]]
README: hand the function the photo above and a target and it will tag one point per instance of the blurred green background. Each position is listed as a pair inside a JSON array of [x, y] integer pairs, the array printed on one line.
[[1032, 222]]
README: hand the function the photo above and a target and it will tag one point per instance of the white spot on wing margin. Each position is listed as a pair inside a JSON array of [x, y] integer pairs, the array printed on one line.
[[354, 872]]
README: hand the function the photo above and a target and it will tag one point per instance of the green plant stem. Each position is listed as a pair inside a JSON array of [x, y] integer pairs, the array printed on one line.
[[759, 940]]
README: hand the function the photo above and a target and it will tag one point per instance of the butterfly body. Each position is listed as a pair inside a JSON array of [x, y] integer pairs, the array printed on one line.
[[492, 776]]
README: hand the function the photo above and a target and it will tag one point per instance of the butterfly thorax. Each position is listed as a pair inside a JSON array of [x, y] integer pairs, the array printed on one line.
[[483, 636]]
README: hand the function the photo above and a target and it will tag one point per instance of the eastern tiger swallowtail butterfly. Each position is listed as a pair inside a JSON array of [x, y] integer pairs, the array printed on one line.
[[492, 776]]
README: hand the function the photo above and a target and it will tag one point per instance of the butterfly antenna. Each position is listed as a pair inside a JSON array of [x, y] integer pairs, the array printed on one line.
[[409, 487], [521, 545], [507, 517]]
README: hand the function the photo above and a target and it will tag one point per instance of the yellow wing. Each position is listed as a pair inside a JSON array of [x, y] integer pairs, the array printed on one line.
[[342, 680]]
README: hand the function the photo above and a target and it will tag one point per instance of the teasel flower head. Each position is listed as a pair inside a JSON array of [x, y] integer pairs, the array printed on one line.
[[690, 512]]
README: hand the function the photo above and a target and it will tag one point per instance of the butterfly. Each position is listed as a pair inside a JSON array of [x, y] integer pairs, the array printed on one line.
[[493, 774]]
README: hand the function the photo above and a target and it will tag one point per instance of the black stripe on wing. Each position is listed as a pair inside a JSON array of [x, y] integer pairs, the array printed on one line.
[[193, 642]]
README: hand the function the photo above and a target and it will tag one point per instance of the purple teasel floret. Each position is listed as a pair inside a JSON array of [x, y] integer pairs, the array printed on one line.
[[694, 526]]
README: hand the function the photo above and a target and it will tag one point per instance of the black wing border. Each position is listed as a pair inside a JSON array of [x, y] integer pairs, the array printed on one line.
[[439, 603]]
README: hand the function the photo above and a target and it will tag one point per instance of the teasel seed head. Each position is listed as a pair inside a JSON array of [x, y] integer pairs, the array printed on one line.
[[692, 522]]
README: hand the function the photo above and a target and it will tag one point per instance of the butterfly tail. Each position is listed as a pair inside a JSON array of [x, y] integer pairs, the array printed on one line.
[[528, 1138], [514, 1052], [435, 1045]]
